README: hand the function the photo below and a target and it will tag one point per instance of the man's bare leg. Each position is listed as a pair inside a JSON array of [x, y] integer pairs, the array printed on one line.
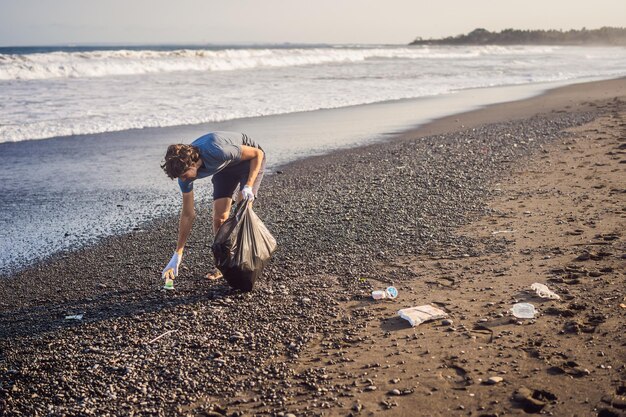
[[221, 211]]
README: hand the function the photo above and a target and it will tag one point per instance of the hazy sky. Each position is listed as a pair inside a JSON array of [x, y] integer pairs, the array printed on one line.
[[42, 22]]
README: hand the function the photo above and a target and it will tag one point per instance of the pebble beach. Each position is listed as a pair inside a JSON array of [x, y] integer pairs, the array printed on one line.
[[417, 211]]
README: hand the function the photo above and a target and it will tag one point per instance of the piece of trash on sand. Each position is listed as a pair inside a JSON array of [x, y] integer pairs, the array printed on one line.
[[74, 317], [523, 311], [497, 232], [169, 284], [390, 292], [544, 292], [421, 314], [160, 336]]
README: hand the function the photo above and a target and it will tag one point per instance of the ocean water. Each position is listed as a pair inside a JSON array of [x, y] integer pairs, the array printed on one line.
[[83, 130], [73, 91]]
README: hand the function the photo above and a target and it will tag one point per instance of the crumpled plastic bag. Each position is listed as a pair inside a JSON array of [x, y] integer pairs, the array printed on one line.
[[544, 292], [242, 247], [421, 314]]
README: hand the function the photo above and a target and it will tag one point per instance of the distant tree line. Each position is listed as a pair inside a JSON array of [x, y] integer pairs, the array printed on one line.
[[602, 36]]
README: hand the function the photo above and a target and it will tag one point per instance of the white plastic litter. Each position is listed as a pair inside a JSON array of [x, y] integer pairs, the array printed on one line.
[[74, 317], [421, 314], [523, 311], [390, 292], [497, 232], [544, 292]]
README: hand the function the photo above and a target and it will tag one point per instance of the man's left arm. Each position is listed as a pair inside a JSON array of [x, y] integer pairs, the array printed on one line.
[[255, 156]]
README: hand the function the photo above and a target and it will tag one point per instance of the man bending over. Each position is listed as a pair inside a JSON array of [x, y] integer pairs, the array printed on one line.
[[236, 164]]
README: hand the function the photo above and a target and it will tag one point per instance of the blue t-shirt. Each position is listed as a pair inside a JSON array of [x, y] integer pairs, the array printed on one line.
[[217, 151]]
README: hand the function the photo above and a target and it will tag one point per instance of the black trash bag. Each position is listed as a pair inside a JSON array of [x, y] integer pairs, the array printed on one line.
[[242, 248]]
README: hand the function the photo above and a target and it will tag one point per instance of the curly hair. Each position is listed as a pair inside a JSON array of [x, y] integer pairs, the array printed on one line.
[[179, 158]]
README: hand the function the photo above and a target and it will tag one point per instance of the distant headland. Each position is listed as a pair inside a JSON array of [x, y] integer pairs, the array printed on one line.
[[603, 36]]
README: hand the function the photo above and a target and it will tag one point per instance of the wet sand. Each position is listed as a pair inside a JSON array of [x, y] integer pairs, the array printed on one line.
[[418, 212], [556, 219], [87, 187]]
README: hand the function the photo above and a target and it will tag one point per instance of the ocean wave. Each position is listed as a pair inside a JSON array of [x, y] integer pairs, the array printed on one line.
[[61, 64], [83, 93], [121, 122]]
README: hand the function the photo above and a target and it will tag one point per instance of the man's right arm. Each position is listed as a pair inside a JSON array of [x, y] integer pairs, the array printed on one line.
[[187, 215]]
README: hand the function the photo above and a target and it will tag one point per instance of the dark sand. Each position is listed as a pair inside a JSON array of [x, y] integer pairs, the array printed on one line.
[[418, 212]]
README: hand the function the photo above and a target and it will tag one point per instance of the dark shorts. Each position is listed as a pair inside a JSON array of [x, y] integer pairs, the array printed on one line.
[[231, 179]]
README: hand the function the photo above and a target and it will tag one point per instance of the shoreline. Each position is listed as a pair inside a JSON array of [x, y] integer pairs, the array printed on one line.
[[338, 218], [528, 91], [54, 235]]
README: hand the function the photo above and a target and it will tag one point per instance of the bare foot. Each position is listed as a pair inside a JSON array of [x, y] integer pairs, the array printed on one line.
[[214, 274]]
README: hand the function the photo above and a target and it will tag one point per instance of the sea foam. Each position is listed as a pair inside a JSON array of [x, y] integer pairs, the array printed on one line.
[[60, 64], [74, 92]]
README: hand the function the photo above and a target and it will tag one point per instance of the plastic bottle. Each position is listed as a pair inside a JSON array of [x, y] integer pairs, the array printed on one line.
[[169, 284], [523, 310], [390, 292]]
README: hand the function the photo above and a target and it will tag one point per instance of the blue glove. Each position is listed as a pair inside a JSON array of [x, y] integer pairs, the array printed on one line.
[[171, 270], [247, 194]]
